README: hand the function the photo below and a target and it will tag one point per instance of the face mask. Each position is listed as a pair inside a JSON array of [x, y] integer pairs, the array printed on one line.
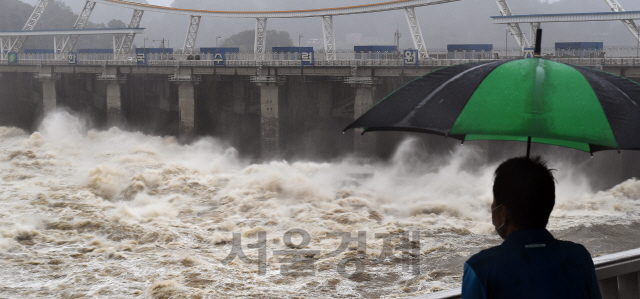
[[494, 224]]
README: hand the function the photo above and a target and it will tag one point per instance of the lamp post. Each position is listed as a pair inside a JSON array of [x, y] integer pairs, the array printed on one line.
[[299, 37], [299, 54], [217, 37], [144, 43], [162, 44], [506, 42]]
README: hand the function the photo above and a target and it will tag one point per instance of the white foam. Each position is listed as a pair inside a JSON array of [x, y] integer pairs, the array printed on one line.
[[143, 204]]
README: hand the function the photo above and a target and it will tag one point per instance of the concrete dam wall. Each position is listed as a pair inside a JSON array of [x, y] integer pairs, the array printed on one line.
[[296, 117], [300, 118]]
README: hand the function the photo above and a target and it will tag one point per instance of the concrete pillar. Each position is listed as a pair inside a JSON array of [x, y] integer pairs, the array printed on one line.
[[186, 101], [325, 99], [269, 121], [98, 91], [114, 104], [163, 96], [49, 97], [363, 145], [318, 131]]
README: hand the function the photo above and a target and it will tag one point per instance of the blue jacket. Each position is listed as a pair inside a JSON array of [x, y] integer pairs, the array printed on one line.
[[531, 264]]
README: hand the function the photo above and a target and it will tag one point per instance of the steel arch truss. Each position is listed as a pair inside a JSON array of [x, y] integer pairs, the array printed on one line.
[[516, 32], [261, 39], [70, 42], [416, 33], [630, 24], [329, 38], [123, 42], [31, 23], [192, 33], [58, 43], [5, 45]]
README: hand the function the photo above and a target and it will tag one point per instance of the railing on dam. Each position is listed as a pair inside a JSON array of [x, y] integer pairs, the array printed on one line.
[[383, 59], [618, 276]]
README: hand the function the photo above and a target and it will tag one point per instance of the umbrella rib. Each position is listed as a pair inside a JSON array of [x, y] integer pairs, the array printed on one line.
[[613, 85], [405, 120], [622, 92]]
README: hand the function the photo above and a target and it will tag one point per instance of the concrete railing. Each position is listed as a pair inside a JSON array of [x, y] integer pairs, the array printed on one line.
[[618, 277], [618, 274]]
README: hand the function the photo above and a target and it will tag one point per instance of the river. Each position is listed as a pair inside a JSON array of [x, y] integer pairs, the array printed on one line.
[[114, 214]]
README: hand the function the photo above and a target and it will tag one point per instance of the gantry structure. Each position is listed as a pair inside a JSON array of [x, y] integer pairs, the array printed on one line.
[[513, 22], [123, 42]]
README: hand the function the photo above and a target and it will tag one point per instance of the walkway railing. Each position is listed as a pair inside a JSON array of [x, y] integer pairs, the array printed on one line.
[[618, 277], [382, 59]]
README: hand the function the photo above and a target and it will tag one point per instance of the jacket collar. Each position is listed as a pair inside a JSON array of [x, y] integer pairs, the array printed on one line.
[[529, 238]]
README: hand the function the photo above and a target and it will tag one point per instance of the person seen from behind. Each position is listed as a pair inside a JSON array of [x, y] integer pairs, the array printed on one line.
[[530, 262]]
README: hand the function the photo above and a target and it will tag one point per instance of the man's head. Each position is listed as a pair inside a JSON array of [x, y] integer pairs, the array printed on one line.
[[526, 188]]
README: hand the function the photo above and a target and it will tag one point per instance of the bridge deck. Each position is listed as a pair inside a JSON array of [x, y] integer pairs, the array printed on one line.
[[567, 17], [56, 32]]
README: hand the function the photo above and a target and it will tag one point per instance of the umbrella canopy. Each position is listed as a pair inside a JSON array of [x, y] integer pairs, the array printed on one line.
[[535, 100]]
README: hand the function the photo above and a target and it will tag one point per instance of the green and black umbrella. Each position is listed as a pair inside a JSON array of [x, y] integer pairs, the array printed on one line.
[[534, 100]]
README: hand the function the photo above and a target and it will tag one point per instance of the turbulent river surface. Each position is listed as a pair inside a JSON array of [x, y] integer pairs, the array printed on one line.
[[115, 214]]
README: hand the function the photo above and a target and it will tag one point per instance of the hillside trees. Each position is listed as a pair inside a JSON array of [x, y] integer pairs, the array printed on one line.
[[245, 40], [14, 15]]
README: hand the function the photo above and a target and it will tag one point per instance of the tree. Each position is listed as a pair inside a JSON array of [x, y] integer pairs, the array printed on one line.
[[14, 15], [245, 40], [116, 24]]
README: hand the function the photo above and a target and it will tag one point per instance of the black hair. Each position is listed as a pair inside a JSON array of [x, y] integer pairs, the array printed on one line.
[[527, 188]]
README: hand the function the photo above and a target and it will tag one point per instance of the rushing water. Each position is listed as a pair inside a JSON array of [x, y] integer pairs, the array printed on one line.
[[114, 214]]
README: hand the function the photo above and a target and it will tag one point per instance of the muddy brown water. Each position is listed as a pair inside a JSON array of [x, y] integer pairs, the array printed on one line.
[[114, 214]]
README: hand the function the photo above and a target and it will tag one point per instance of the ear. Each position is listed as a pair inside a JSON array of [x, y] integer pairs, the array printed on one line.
[[504, 214]]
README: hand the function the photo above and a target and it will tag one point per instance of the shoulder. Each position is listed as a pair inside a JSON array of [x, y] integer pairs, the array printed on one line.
[[487, 256], [574, 250]]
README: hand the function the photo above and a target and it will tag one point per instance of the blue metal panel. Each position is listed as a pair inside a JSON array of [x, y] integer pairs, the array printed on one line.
[[375, 48], [141, 56], [470, 47], [468, 51], [307, 57], [72, 58], [410, 57], [292, 49], [580, 49], [580, 45]]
